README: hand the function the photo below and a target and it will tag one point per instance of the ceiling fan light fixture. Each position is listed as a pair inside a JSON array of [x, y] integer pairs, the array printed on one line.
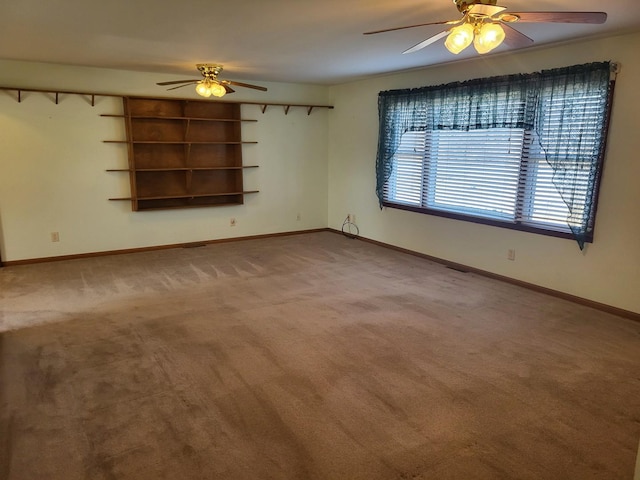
[[488, 37], [459, 38], [209, 84]]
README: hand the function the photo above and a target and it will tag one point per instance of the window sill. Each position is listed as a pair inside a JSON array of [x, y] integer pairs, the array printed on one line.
[[486, 221]]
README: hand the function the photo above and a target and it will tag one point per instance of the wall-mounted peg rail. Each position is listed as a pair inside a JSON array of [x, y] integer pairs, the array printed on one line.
[[92, 96]]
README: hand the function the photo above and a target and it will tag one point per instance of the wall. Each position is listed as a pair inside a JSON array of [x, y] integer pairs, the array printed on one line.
[[607, 271], [53, 161]]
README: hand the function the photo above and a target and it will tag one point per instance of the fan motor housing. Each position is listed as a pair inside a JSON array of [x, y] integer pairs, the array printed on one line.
[[209, 70], [464, 5]]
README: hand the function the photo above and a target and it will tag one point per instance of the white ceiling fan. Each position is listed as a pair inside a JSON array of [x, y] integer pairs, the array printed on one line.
[[488, 25]]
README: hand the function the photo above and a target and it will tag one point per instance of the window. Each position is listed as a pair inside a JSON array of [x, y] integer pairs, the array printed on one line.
[[489, 173], [522, 152]]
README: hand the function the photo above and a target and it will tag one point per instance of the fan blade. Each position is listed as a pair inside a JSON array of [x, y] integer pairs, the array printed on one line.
[[515, 39], [560, 17], [247, 85], [175, 82], [227, 88], [185, 85], [449, 22], [427, 42]]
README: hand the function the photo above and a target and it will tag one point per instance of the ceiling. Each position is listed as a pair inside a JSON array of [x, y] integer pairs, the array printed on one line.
[[299, 41]]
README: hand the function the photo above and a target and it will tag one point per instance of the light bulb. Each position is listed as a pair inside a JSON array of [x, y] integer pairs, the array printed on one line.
[[489, 37], [459, 38], [203, 89], [218, 90]]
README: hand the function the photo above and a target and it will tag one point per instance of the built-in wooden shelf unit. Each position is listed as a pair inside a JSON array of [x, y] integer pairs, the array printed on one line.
[[183, 153]]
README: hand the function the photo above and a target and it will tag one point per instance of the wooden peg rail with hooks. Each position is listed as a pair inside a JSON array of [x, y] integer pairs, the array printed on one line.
[[92, 97]]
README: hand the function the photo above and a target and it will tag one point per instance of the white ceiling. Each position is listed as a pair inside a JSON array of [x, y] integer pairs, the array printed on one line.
[[271, 40]]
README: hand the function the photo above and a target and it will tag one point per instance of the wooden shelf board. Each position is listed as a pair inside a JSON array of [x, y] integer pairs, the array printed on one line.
[[197, 205], [178, 169], [181, 142], [160, 117], [195, 195]]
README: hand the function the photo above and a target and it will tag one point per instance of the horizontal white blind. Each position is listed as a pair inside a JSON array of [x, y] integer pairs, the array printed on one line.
[[571, 124], [541, 202], [406, 183], [499, 174], [474, 172]]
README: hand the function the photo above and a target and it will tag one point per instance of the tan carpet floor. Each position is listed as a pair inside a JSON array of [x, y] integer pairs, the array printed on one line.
[[306, 357]]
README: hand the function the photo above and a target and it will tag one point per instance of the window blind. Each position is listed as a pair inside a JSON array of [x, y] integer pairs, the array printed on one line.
[[523, 151]]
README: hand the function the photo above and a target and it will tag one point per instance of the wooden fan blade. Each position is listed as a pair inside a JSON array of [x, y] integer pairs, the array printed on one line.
[[185, 85], [515, 39], [427, 42], [175, 82], [449, 22], [227, 88], [247, 85], [560, 17]]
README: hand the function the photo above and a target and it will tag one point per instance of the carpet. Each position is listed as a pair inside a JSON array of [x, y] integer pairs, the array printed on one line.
[[306, 357]]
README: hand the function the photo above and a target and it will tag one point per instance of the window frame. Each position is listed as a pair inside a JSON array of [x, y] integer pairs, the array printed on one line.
[[524, 225]]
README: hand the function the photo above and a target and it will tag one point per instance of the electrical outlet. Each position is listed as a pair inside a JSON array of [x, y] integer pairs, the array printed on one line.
[[55, 237], [511, 254], [232, 222]]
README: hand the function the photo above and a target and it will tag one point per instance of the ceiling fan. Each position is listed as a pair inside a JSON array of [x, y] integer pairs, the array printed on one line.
[[210, 84], [487, 25]]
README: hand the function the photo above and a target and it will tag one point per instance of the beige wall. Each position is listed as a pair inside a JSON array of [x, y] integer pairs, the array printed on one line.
[[607, 271], [53, 162], [53, 177]]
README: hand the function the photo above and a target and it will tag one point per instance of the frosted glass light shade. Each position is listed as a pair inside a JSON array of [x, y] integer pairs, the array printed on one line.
[[459, 38], [489, 37], [203, 89], [218, 90]]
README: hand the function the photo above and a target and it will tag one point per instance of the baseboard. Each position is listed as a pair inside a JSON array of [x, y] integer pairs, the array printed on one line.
[[531, 286], [156, 247]]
